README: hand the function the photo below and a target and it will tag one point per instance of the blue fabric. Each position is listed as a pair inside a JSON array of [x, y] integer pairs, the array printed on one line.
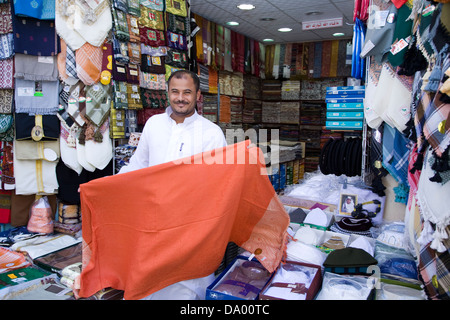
[[38, 9], [395, 153]]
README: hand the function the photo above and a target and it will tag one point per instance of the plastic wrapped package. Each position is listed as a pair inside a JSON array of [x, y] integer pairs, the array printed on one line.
[[395, 261], [40, 220], [245, 280], [388, 291], [345, 287]]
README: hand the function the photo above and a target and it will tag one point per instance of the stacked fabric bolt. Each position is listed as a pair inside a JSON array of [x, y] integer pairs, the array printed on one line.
[[290, 90], [271, 111], [271, 90], [290, 112], [236, 110]]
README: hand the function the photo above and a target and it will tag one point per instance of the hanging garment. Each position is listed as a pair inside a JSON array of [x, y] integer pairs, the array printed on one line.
[[153, 4], [152, 19], [78, 22], [402, 35], [433, 209], [36, 97], [181, 240], [392, 99], [5, 18], [35, 68], [38, 9], [89, 63], [177, 7], [380, 32], [33, 36]]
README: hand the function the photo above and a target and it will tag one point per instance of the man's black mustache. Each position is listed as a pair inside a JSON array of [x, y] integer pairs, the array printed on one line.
[[182, 102]]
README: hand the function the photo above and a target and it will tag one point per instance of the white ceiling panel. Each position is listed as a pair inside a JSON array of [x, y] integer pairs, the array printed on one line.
[[286, 13]]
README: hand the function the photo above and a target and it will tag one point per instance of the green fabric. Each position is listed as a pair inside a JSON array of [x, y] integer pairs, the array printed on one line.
[[403, 29]]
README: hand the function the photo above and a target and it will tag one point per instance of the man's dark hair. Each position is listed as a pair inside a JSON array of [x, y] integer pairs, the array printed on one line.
[[179, 74]]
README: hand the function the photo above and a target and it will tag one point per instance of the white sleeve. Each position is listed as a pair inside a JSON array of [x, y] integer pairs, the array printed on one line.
[[139, 159]]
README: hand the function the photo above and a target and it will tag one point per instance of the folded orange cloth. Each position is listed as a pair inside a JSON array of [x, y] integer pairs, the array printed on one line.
[[146, 229]]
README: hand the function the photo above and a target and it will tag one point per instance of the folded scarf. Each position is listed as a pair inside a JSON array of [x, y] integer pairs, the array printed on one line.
[[28, 67], [179, 236]]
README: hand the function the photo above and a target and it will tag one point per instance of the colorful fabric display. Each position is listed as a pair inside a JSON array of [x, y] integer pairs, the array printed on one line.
[[89, 63], [36, 97], [6, 101], [134, 53], [247, 226], [35, 68], [154, 98], [152, 19], [177, 24], [152, 37], [5, 18], [120, 5], [152, 81], [177, 7], [176, 41], [177, 58], [120, 95], [133, 7], [153, 51], [132, 73], [34, 37], [38, 9], [133, 28], [6, 46], [121, 26], [7, 74], [153, 4], [78, 22], [120, 51], [134, 96], [153, 64]]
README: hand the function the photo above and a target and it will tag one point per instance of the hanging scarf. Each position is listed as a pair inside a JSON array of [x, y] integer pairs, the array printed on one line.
[[153, 64], [133, 28], [133, 7], [36, 97], [5, 18], [177, 24], [227, 65], [326, 59], [120, 95], [199, 39], [134, 97], [153, 4], [403, 31], [38, 9], [318, 46], [6, 46], [176, 41], [28, 67], [152, 37], [89, 63], [177, 58], [121, 26], [255, 220], [177, 7], [152, 81], [151, 18]]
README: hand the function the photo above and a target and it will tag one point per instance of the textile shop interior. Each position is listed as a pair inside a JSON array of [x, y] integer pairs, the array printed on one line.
[[355, 134]]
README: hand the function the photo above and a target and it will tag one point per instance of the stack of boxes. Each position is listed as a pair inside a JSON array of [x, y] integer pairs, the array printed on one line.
[[345, 108]]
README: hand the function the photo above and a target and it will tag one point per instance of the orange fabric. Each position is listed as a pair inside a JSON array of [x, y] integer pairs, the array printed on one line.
[[146, 229], [89, 63]]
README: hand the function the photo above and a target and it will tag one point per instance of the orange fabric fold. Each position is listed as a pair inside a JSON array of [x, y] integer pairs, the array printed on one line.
[[147, 229]]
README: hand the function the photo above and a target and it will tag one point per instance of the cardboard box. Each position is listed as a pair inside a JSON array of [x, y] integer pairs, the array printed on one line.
[[345, 115], [300, 291], [352, 106], [344, 125], [222, 286]]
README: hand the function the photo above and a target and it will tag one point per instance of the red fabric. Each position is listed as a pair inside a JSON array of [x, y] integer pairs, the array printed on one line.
[[147, 229]]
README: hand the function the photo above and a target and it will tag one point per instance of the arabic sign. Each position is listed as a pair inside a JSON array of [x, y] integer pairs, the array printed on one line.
[[322, 24]]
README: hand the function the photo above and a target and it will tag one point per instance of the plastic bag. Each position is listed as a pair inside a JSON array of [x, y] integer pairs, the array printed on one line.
[[40, 220]]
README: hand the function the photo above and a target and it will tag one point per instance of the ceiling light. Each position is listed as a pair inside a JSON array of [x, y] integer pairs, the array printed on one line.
[[313, 13], [268, 40], [285, 29], [232, 23], [267, 19], [246, 6], [338, 34]]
